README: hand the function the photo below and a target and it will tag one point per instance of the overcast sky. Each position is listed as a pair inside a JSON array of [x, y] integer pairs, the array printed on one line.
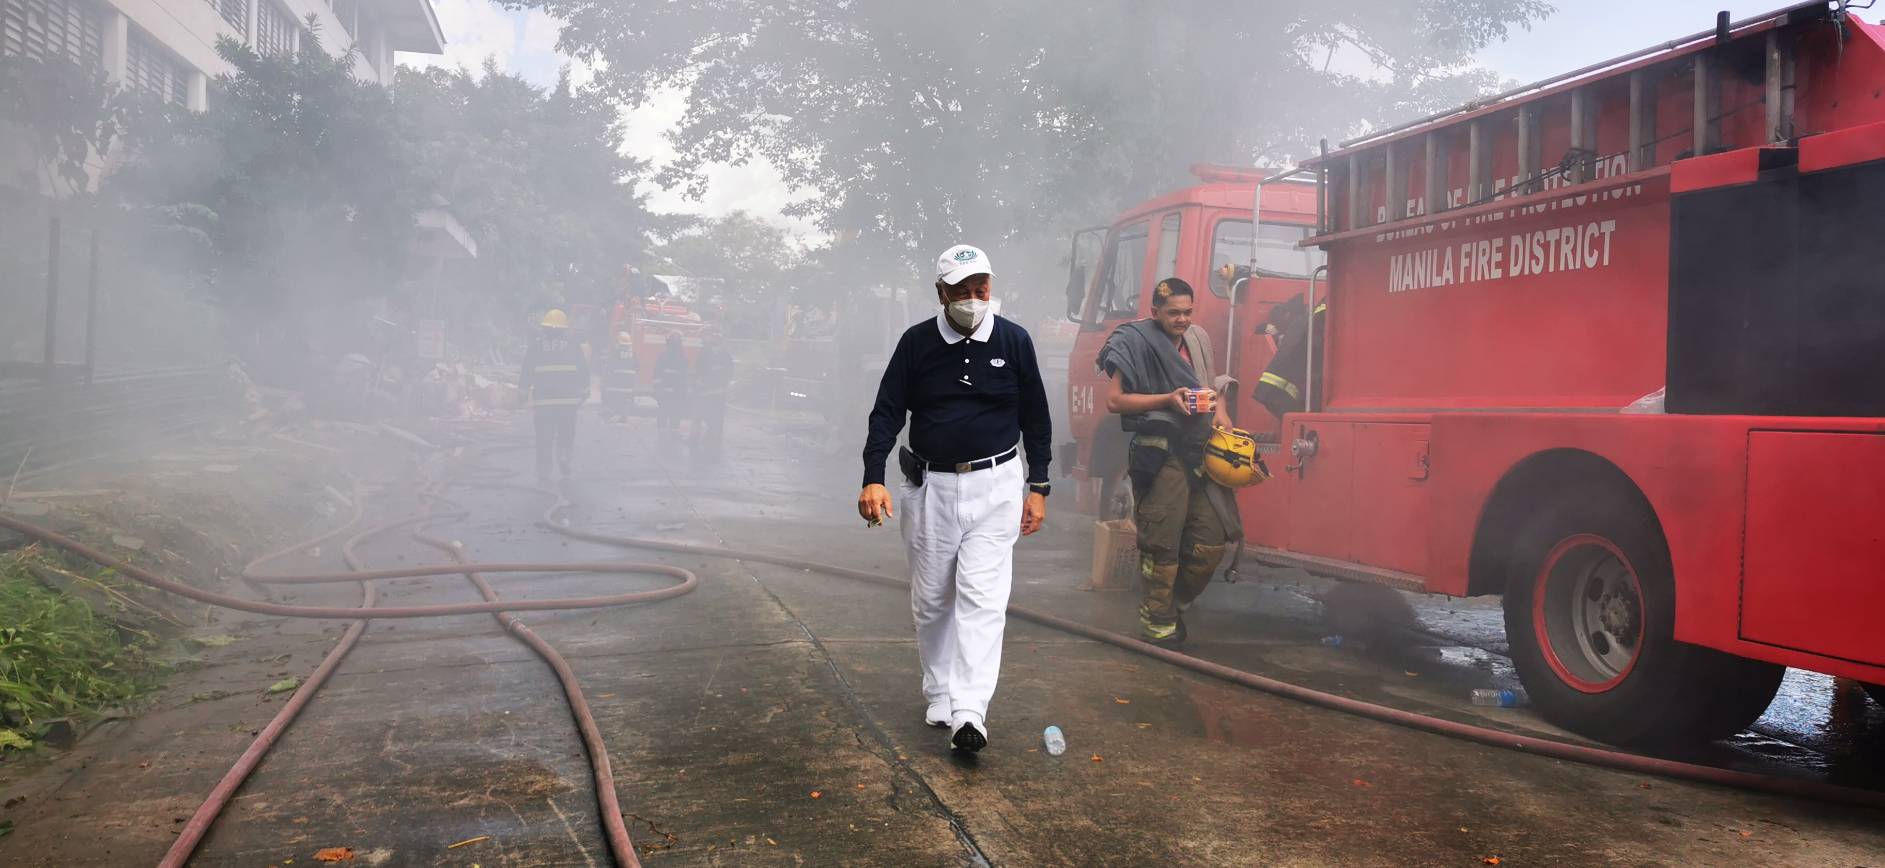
[[1580, 33]]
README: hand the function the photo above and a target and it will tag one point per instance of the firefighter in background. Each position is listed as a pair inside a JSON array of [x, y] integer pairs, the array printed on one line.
[[631, 294], [619, 376], [713, 375], [1159, 370], [1281, 388], [556, 379], [670, 387]]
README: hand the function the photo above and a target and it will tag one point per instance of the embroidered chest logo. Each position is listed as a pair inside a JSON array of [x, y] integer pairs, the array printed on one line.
[[997, 362]]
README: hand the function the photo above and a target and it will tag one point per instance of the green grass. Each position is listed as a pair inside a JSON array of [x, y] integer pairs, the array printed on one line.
[[59, 658]]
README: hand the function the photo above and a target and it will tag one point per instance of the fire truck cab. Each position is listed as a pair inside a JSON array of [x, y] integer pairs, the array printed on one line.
[[1191, 234], [1608, 345]]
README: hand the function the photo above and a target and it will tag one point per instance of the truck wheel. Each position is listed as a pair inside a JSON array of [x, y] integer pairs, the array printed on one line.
[[1590, 617], [1877, 691]]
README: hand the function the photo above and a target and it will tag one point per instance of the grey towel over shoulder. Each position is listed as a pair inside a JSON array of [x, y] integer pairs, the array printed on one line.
[[1147, 363]]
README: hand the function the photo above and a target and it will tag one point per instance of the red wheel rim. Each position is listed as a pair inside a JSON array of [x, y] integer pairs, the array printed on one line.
[[1588, 613]]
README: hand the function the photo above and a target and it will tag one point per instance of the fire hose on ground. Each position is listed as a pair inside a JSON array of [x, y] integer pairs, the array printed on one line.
[[614, 828], [620, 845], [1543, 747]]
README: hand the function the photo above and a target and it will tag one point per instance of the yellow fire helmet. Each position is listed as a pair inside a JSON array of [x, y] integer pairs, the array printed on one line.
[[1230, 459], [555, 319]]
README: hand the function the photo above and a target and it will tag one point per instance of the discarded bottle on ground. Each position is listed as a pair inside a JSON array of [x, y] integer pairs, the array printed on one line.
[[1056, 743], [1512, 697], [1332, 641]]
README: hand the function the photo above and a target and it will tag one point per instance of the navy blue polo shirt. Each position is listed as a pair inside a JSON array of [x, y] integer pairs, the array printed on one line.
[[967, 397]]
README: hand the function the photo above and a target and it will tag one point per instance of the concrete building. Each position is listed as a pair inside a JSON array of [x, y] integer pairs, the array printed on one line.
[[168, 47]]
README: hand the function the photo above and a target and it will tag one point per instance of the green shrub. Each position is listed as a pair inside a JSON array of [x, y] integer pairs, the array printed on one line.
[[59, 658]]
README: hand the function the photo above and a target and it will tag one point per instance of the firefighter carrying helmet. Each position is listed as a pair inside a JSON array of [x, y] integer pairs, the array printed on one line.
[[555, 319], [1230, 458]]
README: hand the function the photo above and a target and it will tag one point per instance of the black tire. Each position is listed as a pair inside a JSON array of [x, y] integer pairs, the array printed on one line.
[[1609, 568], [1877, 691]]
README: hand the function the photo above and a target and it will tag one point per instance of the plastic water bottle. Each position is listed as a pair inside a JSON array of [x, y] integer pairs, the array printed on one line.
[[1332, 641], [1056, 743], [1500, 698]]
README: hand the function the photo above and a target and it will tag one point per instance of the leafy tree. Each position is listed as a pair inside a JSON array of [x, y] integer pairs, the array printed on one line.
[[537, 178], [298, 179], [291, 203], [64, 127], [68, 116], [753, 259], [920, 121], [750, 271]]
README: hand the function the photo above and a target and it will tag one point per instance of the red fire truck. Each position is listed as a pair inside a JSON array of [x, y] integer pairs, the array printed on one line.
[[1685, 232]]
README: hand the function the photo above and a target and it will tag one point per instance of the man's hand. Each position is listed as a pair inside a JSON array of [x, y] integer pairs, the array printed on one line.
[[1178, 402], [1222, 419], [873, 503], [1033, 512]]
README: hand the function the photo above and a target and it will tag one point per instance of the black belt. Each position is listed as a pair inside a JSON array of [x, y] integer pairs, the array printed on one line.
[[969, 466]]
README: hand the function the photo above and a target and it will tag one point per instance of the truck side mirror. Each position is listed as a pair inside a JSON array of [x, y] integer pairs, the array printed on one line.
[[1076, 291]]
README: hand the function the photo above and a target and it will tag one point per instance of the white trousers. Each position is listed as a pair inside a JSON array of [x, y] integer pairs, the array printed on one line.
[[960, 530]]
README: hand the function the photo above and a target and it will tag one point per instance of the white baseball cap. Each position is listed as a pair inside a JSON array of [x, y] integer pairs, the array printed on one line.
[[961, 262]]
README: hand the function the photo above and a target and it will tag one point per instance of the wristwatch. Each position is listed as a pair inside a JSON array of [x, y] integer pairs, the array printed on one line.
[[1041, 488]]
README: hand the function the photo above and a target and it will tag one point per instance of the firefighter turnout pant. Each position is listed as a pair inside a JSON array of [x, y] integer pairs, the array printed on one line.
[[618, 393], [672, 409], [1182, 538], [959, 530], [556, 437], [710, 418]]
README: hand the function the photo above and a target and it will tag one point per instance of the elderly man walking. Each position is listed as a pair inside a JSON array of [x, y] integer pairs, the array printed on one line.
[[971, 386]]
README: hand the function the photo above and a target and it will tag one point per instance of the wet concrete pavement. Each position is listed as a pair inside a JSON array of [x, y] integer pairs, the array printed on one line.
[[726, 710]]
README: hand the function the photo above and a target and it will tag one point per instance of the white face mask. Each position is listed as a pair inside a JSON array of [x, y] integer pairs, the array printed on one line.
[[968, 313]]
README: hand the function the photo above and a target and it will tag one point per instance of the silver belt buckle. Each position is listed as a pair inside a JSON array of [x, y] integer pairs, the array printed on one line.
[[965, 467]]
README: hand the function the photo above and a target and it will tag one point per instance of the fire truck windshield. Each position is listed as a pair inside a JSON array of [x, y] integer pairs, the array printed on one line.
[[1124, 265]]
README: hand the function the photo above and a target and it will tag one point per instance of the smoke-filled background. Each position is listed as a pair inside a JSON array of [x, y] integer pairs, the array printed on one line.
[[376, 232], [779, 156], [284, 268]]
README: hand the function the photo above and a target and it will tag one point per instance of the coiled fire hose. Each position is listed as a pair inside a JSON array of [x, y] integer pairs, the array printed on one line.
[[614, 828], [620, 844]]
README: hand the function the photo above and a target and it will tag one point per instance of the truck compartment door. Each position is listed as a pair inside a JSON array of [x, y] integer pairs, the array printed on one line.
[[1389, 518], [1813, 576], [1321, 487]]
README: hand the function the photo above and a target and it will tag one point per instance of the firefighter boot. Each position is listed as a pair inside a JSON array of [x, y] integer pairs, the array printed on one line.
[[1158, 617], [1194, 575]]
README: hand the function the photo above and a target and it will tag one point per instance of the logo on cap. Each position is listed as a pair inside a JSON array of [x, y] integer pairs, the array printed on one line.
[[965, 256]]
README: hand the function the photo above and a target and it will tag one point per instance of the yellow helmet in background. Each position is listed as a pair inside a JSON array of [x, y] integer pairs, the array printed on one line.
[[555, 319], [1230, 459]]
